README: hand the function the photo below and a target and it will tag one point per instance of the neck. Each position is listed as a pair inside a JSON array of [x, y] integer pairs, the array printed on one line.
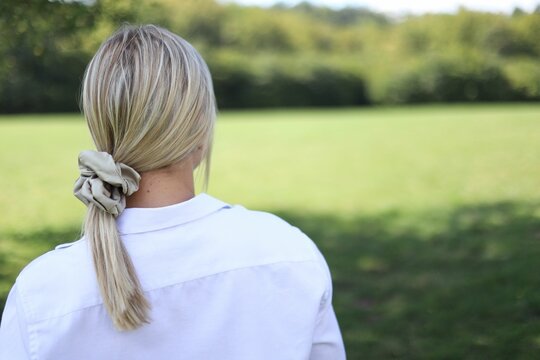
[[163, 187]]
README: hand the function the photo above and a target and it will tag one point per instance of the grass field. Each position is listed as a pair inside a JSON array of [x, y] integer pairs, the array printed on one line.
[[428, 216]]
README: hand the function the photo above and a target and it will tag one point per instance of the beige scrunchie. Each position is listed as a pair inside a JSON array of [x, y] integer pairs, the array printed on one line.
[[104, 182]]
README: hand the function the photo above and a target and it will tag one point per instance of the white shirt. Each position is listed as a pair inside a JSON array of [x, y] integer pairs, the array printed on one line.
[[224, 283]]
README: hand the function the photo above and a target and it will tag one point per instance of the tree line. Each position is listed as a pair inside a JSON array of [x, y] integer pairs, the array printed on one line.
[[302, 55]]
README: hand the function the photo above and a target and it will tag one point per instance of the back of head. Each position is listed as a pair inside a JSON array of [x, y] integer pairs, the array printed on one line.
[[148, 100]]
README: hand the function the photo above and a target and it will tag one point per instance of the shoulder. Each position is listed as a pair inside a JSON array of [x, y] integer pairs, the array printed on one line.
[[68, 266], [265, 238], [264, 234], [57, 260], [247, 219], [276, 238], [241, 218]]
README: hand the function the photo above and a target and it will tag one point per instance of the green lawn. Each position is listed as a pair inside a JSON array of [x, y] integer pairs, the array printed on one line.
[[428, 216]]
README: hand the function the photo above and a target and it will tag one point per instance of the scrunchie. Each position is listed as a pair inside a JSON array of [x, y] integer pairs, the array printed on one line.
[[104, 182]]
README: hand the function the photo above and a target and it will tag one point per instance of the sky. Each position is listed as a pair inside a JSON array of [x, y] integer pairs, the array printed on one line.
[[412, 6]]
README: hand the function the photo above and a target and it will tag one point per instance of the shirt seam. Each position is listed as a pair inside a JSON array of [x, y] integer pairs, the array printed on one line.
[[183, 282], [326, 300], [328, 288], [32, 339]]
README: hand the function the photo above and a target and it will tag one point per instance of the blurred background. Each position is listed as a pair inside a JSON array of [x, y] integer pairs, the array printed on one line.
[[286, 54], [402, 137]]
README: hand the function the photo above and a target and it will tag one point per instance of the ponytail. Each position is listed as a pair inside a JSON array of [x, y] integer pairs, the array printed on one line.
[[117, 280], [103, 187]]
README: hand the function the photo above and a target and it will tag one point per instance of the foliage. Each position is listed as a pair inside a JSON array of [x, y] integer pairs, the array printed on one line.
[[279, 56], [447, 79], [272, 82], [524, 76], [39, 65]]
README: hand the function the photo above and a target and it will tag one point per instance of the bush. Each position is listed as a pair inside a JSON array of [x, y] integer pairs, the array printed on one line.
[[446, 79], [285, 84], [524, 76], [49, 84]]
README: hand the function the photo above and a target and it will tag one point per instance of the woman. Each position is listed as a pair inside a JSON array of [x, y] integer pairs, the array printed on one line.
[[161, 273]]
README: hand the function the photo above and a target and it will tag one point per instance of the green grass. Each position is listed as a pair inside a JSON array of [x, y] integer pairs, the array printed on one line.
[[428, 216]]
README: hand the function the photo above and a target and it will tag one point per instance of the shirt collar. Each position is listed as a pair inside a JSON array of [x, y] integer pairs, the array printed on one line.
[[139, 220]]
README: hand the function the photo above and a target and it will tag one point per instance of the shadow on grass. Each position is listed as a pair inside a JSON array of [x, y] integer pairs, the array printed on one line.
[[455, 284], [460, 283]]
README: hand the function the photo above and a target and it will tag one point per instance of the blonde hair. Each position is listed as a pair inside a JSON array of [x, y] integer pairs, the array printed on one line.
[[148, 99]]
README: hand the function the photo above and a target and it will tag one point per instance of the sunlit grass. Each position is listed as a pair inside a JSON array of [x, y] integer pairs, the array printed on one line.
[[339, 161], [371, 160]]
